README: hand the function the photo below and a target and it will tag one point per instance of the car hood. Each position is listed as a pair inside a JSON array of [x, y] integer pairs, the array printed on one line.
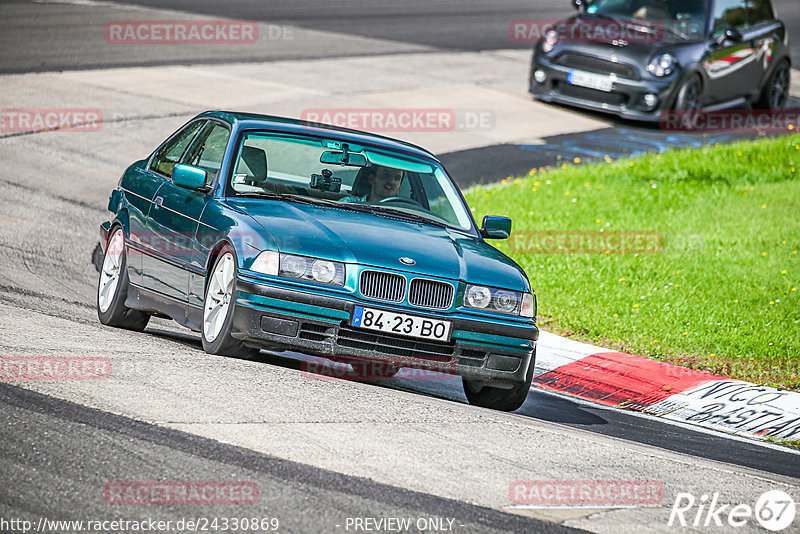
[[636, 48], [380, 241]]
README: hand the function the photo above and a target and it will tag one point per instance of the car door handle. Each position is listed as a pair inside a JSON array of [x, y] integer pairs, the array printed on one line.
[[159, 201]]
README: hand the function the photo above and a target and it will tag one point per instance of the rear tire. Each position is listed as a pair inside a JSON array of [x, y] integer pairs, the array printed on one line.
[[218, 308], [112, 288], [504, 400], [775, 94]]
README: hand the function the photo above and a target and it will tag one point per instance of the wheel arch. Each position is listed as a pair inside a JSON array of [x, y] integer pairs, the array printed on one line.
[[121, 220], [112, 227], [212, 259], [695, 71], [773, 64]]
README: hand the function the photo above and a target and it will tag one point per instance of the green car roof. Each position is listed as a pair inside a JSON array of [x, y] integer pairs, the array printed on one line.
[[254, 120]]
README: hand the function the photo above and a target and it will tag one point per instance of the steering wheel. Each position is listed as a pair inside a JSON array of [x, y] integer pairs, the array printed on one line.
[[406, 200]]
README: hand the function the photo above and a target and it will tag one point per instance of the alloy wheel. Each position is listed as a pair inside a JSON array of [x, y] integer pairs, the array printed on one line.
[[111, 271], [218, 297], [780, 89], [689, 96]]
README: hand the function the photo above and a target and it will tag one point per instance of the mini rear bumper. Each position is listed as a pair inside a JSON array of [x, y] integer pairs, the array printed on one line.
[[626, 99], [278, 318]]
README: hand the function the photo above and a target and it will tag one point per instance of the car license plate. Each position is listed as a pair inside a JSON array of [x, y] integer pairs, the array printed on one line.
[[401, 324], [592, 81]]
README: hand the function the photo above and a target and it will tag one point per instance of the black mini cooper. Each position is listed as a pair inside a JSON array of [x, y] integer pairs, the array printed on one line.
[[640, 58]]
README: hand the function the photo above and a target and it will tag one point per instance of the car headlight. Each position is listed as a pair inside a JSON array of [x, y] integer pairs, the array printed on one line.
[[293, 266], [299, 267], [323, 271], [550, 40], [499, 300], [505, 301], [477, 297], [662, 65]]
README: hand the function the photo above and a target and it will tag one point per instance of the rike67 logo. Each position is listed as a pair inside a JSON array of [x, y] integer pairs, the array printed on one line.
[[774, 510]]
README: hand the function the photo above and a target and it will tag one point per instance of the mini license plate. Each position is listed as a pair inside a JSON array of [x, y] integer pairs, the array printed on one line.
[[401, 324], [590, 80]]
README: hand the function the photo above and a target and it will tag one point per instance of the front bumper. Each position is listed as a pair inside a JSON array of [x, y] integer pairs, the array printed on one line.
[[625, 100], [286, 319]]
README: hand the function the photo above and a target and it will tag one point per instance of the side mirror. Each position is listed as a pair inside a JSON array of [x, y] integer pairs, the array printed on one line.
[[494, 227], [579, 5], [731, 34], [188, 177]]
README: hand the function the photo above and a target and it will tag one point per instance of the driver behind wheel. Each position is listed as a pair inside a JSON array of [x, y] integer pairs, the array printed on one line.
[[383, 183]]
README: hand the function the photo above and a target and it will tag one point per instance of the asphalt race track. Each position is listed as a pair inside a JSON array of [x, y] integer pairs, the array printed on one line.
[[321, 451], [84, 442]]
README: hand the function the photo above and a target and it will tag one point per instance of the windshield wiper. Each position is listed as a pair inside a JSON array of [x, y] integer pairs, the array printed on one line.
[[650, 27], [380, 210], [405, 215], [642, 26], [375, 210], [676, 31], [300, 199]]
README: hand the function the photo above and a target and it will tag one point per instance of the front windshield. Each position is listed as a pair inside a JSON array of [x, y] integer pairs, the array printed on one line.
[[688, 17], [309, 169]]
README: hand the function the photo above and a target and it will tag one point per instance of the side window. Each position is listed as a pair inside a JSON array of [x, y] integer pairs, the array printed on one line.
[[209, 149], [729, 14], [759, 11], [170, 154], [437, 200]]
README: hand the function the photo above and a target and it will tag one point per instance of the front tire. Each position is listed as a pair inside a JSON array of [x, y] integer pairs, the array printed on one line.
[[689, 96], [504, 400], [776, 93], [112, 288], [218, 308]]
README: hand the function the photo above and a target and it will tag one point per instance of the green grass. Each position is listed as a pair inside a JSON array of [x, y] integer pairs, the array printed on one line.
[[720, 296], [787, 442]]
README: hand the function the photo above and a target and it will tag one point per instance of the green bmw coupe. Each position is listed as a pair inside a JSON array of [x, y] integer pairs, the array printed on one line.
[[269, 233]]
